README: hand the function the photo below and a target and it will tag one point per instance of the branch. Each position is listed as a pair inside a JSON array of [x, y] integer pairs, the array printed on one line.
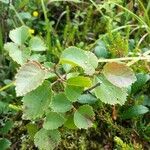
[[125, 59], [91, 88]]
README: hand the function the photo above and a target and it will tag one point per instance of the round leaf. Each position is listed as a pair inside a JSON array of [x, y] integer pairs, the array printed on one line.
[[18, 54], [36, 103], [53, 121], [78, 57], [84, 116], [60, 103], [29, 77], [37, 44], [108, 93], [73, 92], [119, 74], [19, 35], [47, 139]]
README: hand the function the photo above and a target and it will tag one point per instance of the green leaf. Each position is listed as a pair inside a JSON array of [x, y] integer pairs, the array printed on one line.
[[83, 117], [101, 50], [141, 81], [29, 77], [31, 129], [8, 125], [119, 74], [78, 57], [73, 92], [3, 107], [53, 121], [37, 44], [80, 81], [19, 35], [36, 103], [4, 144], [60, 103], [4, 1], [87, 98], [108, 93], [19, 54], [38, 58], [134, 111], [70, 122], [47, 139]]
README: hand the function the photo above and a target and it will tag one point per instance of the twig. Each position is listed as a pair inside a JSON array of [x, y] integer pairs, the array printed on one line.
[[91, 88], [7, 86], [125, 59]]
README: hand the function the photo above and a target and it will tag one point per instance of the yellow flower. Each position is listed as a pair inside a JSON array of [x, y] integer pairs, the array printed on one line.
[[35, 14], [31, 31]]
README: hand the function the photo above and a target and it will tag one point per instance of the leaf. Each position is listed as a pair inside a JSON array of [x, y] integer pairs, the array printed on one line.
[[31, 129], [108, 93], [4, 1], [3, 107], [37, 44], [60, 103], [4, 144], [70, 122], [53, 121], [19, 35], [80, 81], [73, 92], [78, 57], [47, 139], [17, 53], [87, 98], [29, 77], [37, 57], [84, 116], [100, 50], [6, 128], [36, 103], [141, 81], [134, 111], [119, 74]]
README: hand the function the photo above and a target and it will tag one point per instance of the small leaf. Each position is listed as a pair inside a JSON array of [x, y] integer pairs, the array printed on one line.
[[70, 122], [134, 111], [37, 44], [119, 74], [36, 103], [73, 92], [84, 116], [37, 57], [17, 53], [7, 127], [53, 121], [19, 35], [87, 99], [80, 81], [47, 139], [31, 129], [100, 50], [141, 81], [78, 57], [29, 77], [108, 93], [4, 1], [4, 144], [60, 103]]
